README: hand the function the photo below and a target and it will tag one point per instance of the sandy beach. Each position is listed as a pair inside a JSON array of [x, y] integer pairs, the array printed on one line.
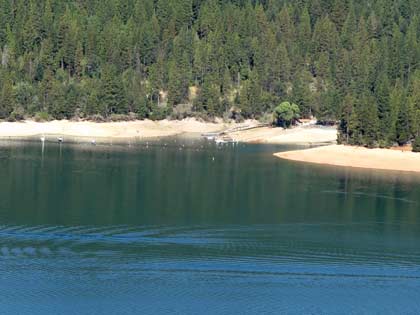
[[120, 131], [108, 130], [340, 155], [311, 134]]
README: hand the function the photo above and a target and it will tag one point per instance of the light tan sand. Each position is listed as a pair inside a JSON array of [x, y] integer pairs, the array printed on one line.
[[296, 135], [149, 129], [350, 156], [113, 130]]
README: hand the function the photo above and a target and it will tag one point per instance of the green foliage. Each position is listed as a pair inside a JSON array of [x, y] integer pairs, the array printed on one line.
[[208, 98], [403, 133], [348, 61], [159, 112], [23, 94], [17, 114], [416, 144], [286, 114], [6, 100], [112, 93], [42, 116]]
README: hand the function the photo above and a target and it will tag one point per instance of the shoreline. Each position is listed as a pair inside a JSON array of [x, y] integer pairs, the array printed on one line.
[[299, 135], [356, 157], [124, 130], [138, 130], [87, 131]]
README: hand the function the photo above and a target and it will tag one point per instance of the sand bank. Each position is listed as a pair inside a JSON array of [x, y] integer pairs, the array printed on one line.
[[340, 155], [298, 135], [148, 129], [112, 130]]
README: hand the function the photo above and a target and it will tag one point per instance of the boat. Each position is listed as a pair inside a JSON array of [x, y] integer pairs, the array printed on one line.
[[225, 139], [210, 135]]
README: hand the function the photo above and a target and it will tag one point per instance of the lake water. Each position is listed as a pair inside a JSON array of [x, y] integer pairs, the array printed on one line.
[[182, 226]]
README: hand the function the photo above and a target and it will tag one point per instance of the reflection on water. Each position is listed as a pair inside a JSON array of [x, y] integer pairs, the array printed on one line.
[[185, 226]]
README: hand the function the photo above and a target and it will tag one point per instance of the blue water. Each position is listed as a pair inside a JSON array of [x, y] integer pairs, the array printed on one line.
[[183, 226]]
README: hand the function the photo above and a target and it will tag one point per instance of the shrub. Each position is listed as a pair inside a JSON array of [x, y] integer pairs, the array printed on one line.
[[416, 144], [17, 114], [204, 117], [286, 114], [267, 118], [121, 117], [159, 113], [384, 143], [96, 118], [42, 116], [181, 111]]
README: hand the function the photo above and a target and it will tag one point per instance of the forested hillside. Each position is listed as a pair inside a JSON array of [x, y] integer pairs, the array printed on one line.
[[352, 61]]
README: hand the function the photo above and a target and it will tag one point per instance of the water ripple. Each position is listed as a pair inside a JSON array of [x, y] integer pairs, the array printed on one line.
[[364, 194], [277, 244], [139, 264]]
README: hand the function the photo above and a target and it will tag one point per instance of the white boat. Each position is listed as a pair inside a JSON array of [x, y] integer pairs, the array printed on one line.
[[210, 135]]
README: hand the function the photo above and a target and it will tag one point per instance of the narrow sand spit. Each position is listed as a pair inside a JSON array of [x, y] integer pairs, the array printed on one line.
[[340, 155]]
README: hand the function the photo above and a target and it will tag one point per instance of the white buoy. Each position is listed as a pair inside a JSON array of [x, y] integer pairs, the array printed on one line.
[[42, 139], [60, 139], [93, 142]]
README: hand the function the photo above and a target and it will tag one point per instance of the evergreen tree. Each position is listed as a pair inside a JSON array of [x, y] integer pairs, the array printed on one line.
[[348, 61], [112, 94], [396, 99], [344, 127], [208, 99], [6, 99], [301, 94], [369, 121], [403, 128], [382, 93]]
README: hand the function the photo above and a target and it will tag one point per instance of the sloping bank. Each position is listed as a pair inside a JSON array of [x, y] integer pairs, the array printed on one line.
[[107, 130], [350, 156], [310, 134], [142, 129]]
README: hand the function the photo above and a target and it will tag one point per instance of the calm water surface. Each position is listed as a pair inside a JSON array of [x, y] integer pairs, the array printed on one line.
[[181, 226]]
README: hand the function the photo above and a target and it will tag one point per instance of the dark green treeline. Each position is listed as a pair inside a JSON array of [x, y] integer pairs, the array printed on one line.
[[351, 61]]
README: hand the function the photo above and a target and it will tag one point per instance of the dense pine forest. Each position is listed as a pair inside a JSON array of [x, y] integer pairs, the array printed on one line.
[[354, 62]]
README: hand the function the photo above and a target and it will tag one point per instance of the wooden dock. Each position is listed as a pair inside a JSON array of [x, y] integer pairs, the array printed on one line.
[[231, 130]]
